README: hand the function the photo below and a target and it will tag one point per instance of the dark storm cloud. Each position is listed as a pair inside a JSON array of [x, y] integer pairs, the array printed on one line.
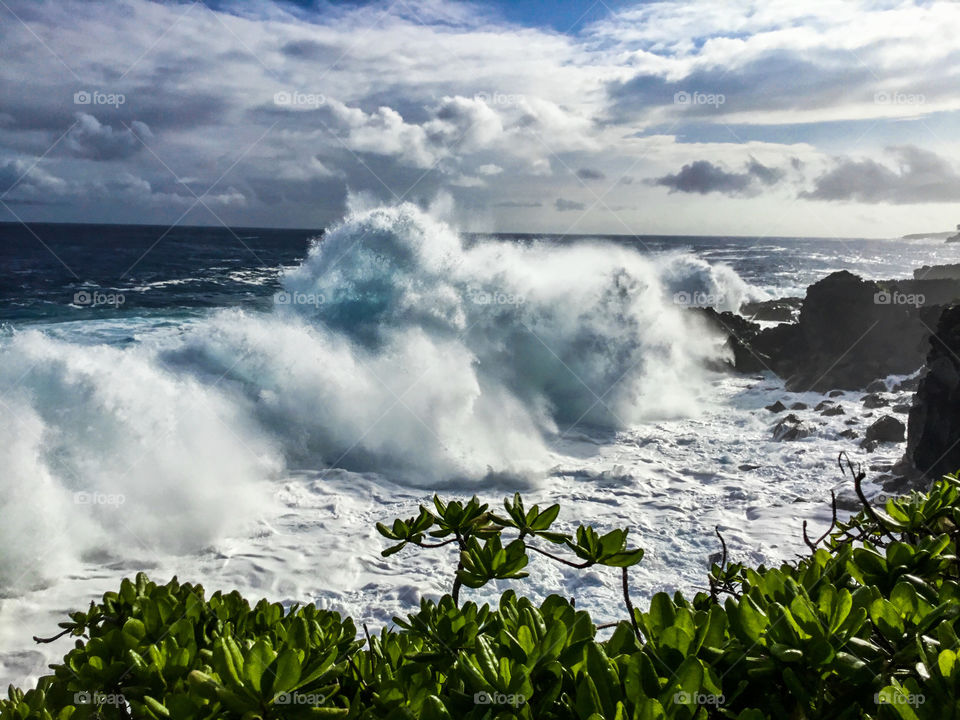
[[590, 174], [921, 177], [703, 177], [563, 205]]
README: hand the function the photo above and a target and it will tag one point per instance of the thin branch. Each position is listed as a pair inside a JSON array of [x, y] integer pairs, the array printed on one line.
[[436, 545], [833, 523], [568, 563], [629, 604], [723, 544], [858, 476], [52, 639]]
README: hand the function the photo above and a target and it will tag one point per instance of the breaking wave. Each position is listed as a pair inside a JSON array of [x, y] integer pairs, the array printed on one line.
[[393, 349]]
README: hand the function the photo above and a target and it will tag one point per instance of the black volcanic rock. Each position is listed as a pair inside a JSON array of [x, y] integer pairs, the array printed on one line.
[[849, 333], [777, 407], [937, 272], [832, 411], [791, 428], [740, 333], [780, 345], [779, 310], [886, 429], [853, 332], [933, 440], [908, 384], [874, 401]]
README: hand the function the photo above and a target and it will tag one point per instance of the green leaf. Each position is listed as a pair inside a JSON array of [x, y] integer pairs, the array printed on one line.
[[256, 663]]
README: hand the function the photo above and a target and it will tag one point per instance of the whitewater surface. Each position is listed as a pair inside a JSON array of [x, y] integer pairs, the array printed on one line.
[[255, 449]]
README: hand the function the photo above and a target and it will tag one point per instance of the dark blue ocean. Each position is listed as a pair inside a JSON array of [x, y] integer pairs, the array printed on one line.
[[46, 268]]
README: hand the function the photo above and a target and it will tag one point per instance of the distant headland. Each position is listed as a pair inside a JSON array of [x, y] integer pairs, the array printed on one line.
[[949, 235]]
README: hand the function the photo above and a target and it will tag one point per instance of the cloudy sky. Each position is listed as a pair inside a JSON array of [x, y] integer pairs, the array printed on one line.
[[821, 118]]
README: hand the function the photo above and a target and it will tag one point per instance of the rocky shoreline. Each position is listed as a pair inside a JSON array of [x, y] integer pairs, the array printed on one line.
[[876, 339]]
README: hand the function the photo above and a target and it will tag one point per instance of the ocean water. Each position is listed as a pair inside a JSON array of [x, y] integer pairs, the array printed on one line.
[[239, 407]]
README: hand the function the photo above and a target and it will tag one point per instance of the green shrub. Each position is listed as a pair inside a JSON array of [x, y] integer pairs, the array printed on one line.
[[864, 627]]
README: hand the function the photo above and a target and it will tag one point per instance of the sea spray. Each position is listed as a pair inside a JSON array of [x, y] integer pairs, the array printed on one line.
[[107, 451], [588, 333]]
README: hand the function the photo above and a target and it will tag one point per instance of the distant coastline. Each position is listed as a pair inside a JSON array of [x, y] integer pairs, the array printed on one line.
[[947, 235], [930, 235]]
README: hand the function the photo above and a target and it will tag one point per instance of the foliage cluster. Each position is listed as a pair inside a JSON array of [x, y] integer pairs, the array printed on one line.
[[865, 626]]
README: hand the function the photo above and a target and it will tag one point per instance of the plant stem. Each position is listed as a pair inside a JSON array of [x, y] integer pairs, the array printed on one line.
[[568, 563], [629, 604]]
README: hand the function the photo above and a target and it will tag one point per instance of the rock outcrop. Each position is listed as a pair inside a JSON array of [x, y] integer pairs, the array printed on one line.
[[933, 440], [937, 272], [779, 310], [849, 333], [886, 429], [791, 428]]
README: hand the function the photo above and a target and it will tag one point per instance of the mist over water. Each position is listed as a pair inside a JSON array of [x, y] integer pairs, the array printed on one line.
[[392, 349]]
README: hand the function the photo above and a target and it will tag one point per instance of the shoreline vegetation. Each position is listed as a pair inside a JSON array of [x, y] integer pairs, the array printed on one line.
[[864, 626]]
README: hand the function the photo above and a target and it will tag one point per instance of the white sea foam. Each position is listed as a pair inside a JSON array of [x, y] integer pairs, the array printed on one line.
[[392, 349]]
